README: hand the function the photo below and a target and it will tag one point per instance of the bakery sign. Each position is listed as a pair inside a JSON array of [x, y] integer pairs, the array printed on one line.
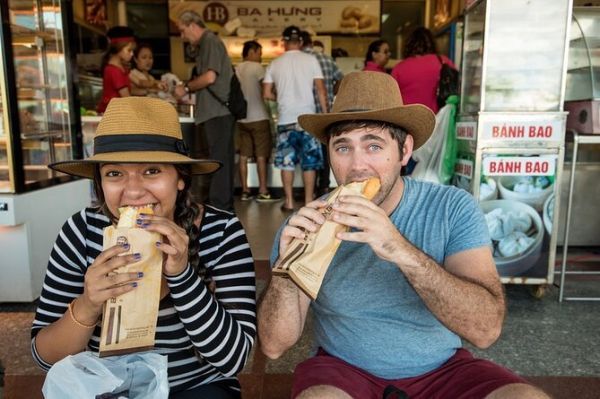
[[269, 18], [519, 166], [544, 130], [466, 131], [464, 168]]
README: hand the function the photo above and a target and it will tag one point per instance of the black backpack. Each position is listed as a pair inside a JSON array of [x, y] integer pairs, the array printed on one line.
[[448, 84], [236, 103]]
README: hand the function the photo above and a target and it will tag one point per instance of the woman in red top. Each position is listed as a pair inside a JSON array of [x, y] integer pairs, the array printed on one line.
[[378, 54], [419, 72], [115, 65]]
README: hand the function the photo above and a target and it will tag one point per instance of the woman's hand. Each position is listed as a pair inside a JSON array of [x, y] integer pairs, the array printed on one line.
[[175, 242], [308, 218], [102, 282]]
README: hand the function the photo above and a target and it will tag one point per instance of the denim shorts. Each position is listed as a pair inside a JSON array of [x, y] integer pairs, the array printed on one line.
[[295, 146]]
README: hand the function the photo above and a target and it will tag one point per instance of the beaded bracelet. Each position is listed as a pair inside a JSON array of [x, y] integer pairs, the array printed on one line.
[[80, 324]]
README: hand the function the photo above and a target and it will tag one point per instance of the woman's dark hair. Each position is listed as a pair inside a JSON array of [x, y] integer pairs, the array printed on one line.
[[138, 49], [250, 45], [115, 47], [187, 213], [420, 42], [374, 48]]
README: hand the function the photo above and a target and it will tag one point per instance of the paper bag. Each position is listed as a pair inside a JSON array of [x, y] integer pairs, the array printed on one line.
[[129, 320], [306, 260]]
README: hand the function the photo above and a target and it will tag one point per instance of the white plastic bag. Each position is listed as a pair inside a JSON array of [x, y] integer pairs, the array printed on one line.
[[85, 375], [430, 157]]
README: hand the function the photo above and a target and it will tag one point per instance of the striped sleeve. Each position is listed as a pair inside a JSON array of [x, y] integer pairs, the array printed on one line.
[[64, 277], [222, 326]]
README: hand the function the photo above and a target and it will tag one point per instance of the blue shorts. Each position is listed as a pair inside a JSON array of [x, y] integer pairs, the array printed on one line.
[[295, 146]]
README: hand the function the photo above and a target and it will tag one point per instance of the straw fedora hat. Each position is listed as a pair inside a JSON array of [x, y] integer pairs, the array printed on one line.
[[372, 96], [137, 130]]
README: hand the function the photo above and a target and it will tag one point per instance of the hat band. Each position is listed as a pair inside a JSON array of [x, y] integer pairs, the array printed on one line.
[[138, 142]]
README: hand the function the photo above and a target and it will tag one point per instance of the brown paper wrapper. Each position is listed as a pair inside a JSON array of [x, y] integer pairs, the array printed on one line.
[[306, 260], [129, 320]]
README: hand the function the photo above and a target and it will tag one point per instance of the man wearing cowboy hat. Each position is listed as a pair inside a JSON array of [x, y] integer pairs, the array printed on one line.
[[412, 277]]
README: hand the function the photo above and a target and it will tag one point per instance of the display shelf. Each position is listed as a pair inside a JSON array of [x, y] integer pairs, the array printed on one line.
[[38, 91]]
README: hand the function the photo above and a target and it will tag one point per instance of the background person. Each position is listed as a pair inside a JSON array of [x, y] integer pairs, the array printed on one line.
[[332, 76], [206, 323], [254, 131], [418, 74], [115, 65], [378, 55], [289, 80], [414, 273], [142, 82], [213, 119]]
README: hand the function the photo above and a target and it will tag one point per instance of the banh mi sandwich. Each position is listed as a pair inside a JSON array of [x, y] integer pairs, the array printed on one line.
[[306, 259], [129, 320], [129, 214]]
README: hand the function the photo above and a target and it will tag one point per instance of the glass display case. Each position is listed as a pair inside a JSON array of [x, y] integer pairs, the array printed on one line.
[[40, 117], [511, 128], [582, 97]]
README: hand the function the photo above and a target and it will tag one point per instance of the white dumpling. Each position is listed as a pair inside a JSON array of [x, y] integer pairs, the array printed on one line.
[[519, 221], [514, 244], [499, 225], [485, 190]]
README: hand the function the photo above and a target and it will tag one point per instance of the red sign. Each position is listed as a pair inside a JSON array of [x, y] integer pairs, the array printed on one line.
[[519, 166], [549, 130], [466, 131], [464, 168]]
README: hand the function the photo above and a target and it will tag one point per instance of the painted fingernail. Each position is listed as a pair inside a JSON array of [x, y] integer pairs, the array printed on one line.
[[158, 243], [140, 274], [137, 256], [126, 246], [134, 284], [143, 215], [139, 221]]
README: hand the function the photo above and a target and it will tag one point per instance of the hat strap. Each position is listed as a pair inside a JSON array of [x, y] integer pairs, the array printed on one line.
[[138, 142]]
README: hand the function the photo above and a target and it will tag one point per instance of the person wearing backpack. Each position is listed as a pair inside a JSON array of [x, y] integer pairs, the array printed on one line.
[[214, 120], [418, 74]]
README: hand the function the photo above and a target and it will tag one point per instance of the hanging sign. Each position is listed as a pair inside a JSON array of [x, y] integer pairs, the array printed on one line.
[[519, 166], [265, 18], [464, 168], [466, 131], [547, 130]]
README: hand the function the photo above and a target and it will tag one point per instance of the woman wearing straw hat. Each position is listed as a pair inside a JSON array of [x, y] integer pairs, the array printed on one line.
[[141, 159], [414, 272]]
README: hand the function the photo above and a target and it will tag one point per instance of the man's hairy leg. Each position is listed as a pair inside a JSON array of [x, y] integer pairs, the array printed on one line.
[[514, 391], [323, 392]]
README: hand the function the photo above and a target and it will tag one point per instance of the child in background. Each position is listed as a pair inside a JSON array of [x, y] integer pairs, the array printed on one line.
[[115, 65], [142, 82]]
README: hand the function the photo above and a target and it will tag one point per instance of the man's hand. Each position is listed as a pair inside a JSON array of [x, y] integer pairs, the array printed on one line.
[[374, 228], [308, 218]]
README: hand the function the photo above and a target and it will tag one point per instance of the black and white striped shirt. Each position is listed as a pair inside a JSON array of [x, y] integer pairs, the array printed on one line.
[[206, 337]]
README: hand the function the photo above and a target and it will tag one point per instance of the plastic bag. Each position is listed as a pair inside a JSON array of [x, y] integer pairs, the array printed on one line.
[[436, 158], [85, 375]]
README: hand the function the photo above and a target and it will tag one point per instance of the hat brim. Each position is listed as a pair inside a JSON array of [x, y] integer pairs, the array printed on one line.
[[418, 120], [85, 168]]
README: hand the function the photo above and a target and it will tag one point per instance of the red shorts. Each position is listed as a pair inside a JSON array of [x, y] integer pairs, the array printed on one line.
[[462, 376]]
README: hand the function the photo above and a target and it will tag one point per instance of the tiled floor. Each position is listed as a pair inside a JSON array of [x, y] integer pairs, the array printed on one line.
[[555, 345]]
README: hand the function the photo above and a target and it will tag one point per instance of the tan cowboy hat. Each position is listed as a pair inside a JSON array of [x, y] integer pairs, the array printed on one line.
[[137, 130], [372, 96]]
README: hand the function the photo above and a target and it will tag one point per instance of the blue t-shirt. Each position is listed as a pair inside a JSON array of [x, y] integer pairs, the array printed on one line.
[[368, 314]]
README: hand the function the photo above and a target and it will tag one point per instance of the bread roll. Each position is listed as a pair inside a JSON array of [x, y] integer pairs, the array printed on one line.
[[368, 188], [129, 214]]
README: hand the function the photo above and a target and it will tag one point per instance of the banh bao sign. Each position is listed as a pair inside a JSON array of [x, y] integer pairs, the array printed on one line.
[[269, 18], [547, 130], [519, 166]]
